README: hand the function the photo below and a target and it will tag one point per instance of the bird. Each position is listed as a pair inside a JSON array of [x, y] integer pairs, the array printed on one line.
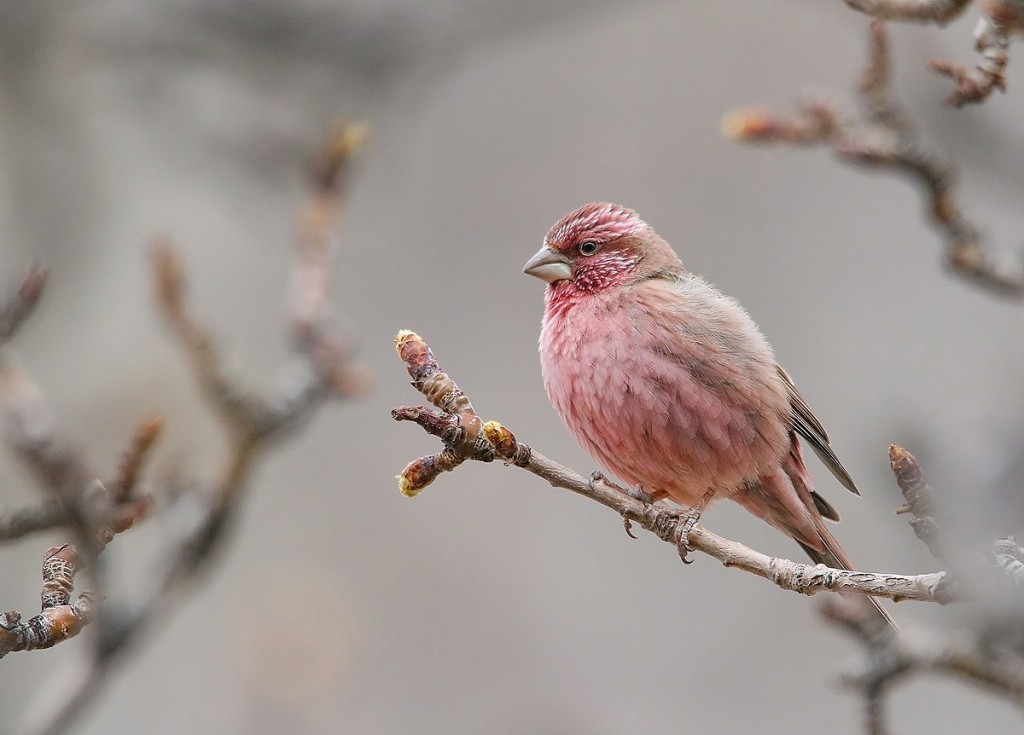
[[669, 383]]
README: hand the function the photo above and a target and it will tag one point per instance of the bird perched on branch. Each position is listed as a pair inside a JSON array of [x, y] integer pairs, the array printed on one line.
[[669, 384]]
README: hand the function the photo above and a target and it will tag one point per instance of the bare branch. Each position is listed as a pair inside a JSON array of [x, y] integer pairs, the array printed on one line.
[[920, 11], [323, 364], [34, 518], [113, 512], [883, 137], [322, 368], [920, 501], [891, 658], [22, 303], [975, 84], [58, 465], [60, 619], [467, 437], [135, 458]]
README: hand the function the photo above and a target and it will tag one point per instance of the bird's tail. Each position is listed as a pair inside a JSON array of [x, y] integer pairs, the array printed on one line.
[[787, 500], [832, 555]]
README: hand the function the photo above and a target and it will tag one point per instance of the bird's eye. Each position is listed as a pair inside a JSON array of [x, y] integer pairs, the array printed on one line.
[[588, 247]]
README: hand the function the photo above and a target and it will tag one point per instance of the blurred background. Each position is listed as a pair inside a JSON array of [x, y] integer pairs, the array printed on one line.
[[491, 603]]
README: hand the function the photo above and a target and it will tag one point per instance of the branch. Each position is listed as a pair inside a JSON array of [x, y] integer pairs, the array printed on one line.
[[34, 518], [975, 84], [22, 302], [322, 368], [1001, 18], [1004, 555], [467, 437], [919, 11], [882, 136], [79, 501], [60, 619], [891, 658], [322, 361], [920, 503]]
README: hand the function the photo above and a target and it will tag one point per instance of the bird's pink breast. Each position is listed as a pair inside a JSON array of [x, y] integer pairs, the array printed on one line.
[[670, 389]]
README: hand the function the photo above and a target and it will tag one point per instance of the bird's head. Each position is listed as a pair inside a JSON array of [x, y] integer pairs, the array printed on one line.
[[600, 246]]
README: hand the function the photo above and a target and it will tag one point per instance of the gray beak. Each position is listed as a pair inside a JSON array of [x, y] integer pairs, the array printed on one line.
[[548, 265]]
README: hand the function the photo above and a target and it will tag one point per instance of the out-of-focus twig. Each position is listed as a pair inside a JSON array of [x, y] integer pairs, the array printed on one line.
[[22, 302], [974, 84], [921, 11], [891, 658], [322, 367], [920, 500], [467, 437], [1005, 554], [883, 137], [1000, 20], [78, 502], [134, 459]]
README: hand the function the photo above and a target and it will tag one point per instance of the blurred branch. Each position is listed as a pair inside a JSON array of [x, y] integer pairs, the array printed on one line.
[[920, 500], [891, 658], [34, 518], [467, 437], [920, 11], [1000, 20], [322, 368], [883, 136], [974, 84], [79, 502], [1004, 555], [22, 302]]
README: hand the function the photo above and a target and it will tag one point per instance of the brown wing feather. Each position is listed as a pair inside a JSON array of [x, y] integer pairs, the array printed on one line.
[[806, 424]]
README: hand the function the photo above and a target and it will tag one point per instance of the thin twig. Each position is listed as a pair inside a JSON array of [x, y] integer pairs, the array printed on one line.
[[920, 11], [891, 658], [22, 302], [974, 84], [60, 619], [41, 516], [1000, 20], [322, 368], [883, 137]]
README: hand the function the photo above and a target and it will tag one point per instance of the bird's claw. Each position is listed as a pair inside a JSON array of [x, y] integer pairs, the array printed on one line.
[[688, 519], [675, 527], [636, 493]]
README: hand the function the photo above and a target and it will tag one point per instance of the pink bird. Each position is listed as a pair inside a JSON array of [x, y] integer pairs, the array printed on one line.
[[669, 384]]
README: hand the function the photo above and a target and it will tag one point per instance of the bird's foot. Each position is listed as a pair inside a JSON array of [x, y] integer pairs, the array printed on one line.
[[598, 477], [687, 520], [676, 527], [637, 493], [673, 526]]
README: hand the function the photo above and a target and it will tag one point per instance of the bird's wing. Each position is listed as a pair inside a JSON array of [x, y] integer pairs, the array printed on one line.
[[807, 425]]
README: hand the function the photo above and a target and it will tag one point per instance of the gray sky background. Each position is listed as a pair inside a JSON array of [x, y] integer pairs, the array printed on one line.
[[491, 603]]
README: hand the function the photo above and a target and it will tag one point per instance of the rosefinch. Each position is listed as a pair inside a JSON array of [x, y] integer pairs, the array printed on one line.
[[669, 384]]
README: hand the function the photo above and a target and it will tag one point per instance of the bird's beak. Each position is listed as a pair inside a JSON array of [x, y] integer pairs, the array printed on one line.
[[548, 265]]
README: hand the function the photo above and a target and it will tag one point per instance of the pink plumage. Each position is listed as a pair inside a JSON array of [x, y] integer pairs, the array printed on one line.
[[669, 384]]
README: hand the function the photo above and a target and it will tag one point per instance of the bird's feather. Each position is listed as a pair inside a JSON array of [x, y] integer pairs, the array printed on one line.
[[806, 424]]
